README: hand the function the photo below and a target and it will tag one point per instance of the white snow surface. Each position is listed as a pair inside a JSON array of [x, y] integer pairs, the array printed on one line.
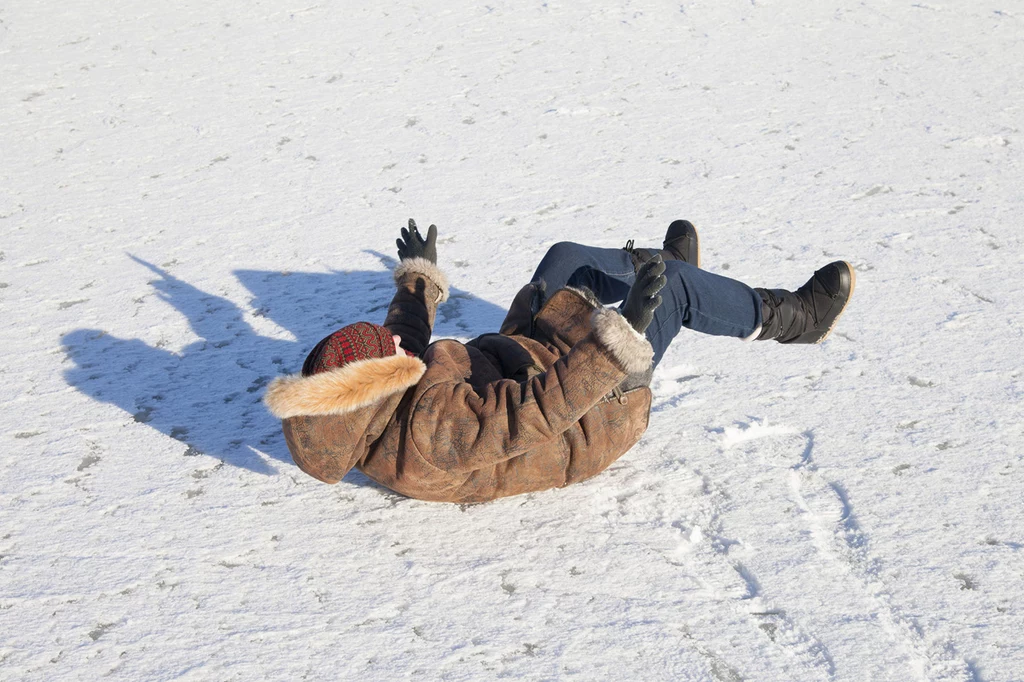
[[193, 193]]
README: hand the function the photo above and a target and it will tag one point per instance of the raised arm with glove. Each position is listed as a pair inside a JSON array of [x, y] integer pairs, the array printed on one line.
[[421, 288]]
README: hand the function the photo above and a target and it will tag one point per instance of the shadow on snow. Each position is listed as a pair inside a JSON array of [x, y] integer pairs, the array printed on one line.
[[208, 395]]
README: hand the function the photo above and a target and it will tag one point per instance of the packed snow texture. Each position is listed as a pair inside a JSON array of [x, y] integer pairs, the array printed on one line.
[[194, 193]]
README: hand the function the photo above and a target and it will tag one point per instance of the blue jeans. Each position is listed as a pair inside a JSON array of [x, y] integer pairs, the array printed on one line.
[[693, 298]]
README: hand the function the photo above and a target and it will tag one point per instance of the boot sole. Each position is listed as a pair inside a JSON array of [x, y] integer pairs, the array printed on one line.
[[853, 285], [696, 238]]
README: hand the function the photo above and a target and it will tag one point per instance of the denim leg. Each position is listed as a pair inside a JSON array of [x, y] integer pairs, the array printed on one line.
[[704, 302], [607, 272], [693, 298]]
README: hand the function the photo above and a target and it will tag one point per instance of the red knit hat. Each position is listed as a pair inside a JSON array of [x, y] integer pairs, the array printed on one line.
[[359, 341]]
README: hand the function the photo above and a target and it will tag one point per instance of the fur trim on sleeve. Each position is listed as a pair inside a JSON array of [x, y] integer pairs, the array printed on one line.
[[342, 389], [423, 266], [630, 349], [586, 294]]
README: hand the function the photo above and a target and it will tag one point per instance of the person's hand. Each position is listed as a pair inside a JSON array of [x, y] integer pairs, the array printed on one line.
[[412, 245], [643, 299]]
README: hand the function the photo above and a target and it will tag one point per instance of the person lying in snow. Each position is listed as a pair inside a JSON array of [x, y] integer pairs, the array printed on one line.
[[557, 395]]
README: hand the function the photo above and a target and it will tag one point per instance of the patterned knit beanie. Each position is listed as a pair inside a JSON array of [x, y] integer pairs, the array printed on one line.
[[359, 341]]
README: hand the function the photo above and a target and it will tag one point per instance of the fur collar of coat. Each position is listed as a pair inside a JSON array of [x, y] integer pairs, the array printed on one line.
[[343, 389]]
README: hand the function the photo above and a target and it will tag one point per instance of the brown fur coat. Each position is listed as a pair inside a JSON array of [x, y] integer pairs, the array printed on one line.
[[536, 406]]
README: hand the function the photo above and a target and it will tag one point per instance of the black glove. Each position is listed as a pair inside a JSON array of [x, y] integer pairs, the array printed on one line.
[[643, 299], [412, 245]]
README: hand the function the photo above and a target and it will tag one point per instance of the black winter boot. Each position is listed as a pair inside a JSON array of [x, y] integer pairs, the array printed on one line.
[[808, 314], [681, 243]]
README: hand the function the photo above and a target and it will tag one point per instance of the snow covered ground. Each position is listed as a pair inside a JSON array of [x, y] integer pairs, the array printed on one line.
[[193, 193]]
